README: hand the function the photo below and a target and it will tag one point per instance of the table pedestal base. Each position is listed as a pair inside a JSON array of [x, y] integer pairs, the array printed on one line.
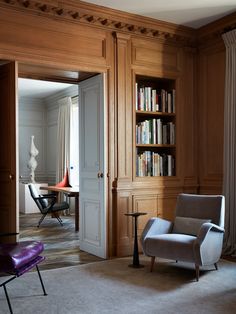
[[136, 266], [135, 252]]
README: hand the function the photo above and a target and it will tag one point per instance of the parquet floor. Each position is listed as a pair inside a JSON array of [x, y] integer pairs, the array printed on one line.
[[61, 242]]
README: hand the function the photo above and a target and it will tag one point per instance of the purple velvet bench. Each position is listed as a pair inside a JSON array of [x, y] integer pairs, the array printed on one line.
[[17, 259]]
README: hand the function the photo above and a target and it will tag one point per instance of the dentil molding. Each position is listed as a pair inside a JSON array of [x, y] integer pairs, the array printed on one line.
[[78, 12]]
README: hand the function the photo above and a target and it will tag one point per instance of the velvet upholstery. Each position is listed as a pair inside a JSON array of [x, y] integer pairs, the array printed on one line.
[[203, 247]]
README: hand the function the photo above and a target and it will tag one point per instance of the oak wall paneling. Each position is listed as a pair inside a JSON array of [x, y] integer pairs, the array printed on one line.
[[155, 54], [84, 49], [76, 36], [124, 140], [187, 121], [210, 104], [157, 196], [124, 106], [211, 117], [124, 223]]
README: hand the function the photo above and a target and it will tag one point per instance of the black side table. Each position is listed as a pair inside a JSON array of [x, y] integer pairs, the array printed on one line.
[[135, 252]]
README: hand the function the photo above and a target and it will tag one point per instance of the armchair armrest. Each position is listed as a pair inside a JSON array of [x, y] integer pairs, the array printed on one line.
[[52, 196], [205, 228], [156, 226]]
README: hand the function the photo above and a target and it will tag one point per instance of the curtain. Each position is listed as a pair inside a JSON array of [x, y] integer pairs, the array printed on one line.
[[63, 137], [229, 177]]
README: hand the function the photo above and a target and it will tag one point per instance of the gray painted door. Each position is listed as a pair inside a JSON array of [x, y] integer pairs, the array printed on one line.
[[93, 237]]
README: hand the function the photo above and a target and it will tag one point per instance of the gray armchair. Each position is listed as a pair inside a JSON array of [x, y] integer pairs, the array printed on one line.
[[195, 236]]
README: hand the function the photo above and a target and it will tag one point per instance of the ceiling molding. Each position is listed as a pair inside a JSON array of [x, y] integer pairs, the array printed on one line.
[[213, 31], [80, 12]]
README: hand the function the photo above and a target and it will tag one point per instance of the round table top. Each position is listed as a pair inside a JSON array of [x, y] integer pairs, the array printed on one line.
[[135, 214]]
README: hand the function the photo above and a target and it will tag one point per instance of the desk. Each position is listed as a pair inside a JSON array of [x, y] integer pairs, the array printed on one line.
[[135, 253], [71, 192]]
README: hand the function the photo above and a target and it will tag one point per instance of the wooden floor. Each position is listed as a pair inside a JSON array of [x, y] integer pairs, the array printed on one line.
[[61, 242]]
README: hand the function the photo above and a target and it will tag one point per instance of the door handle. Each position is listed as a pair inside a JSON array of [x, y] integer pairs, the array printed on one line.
[[100, 175], [11, 176]]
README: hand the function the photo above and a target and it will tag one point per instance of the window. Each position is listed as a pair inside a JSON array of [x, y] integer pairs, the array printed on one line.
[[74, 143]]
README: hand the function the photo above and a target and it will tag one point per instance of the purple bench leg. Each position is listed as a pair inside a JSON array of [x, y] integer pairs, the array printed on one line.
[[12, 278], [40, 278]]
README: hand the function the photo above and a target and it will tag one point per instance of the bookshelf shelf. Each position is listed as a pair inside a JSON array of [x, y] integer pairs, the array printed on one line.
[[154, 113], [155, 143]]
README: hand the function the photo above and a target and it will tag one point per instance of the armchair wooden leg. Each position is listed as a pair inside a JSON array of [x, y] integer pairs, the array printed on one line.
[[197, 271], [216, 266], [152, 263]]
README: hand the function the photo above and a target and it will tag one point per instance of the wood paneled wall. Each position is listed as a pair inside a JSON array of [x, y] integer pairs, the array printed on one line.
[[156, 196], [210, 103], [211, 118], [82, 37]]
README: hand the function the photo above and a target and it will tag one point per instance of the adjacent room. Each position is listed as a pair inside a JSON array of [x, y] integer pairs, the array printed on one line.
[[39, 103]]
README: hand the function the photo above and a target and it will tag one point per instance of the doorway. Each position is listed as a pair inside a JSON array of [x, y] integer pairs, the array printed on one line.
[[49, 74], [38, 116]]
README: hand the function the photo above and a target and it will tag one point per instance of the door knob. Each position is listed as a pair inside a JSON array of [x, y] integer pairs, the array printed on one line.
[[100, 175], [11, 176]]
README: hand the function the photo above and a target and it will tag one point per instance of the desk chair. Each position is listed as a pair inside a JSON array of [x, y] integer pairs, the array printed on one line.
[[47, 204], [17, 259]]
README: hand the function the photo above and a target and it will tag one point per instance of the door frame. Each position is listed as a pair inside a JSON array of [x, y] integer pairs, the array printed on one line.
[[34, 74]]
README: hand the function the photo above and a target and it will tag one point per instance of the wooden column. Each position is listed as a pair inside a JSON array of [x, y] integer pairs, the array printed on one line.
[[124, 140]]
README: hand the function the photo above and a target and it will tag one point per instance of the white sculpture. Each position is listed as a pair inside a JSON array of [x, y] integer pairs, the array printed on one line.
[[32, 164]]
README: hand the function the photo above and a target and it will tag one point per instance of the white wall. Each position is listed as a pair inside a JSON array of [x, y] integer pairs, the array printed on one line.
[[39, 118], [32, 121]]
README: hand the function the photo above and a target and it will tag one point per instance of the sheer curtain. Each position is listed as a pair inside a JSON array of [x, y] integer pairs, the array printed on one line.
[[74, 143], [229, 178], [63, 137]]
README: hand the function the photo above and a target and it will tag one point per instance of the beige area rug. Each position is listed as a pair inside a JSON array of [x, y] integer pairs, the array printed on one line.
[[113, 287]]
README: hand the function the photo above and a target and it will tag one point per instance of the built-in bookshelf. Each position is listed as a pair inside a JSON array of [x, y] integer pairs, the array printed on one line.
[[155, 128]]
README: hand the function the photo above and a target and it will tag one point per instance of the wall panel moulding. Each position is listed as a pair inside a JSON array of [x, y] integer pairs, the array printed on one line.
[[105, 18]]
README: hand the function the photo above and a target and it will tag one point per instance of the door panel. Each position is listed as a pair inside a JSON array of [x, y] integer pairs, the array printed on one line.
[[92, 167], [8, 139]]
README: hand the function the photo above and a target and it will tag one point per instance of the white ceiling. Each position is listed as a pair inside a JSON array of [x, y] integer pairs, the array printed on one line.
[[39, 89], [193, 13]]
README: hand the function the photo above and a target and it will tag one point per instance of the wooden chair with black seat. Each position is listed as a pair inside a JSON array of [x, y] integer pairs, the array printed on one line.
[[47, 204]]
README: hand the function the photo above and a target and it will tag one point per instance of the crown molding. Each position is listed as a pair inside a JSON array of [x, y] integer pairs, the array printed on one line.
[[213, 32], [106, 18]]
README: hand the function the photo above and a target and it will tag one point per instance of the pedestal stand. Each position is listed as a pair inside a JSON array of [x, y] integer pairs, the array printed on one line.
[[135, 252]]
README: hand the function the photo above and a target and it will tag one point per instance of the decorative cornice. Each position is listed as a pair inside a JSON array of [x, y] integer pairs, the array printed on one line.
[[90, 14], [213, 32]]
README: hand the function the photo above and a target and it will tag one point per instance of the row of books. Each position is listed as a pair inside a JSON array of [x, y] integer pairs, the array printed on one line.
[[149, 99], [153, 164], [155, 131]]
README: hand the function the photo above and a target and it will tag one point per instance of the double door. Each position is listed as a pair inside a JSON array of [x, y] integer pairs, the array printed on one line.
[[93, 213]]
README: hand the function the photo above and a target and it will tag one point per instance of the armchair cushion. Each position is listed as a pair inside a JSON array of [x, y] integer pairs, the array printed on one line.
[[14, 256], [188, 225], [43, 202], [171, 246]]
